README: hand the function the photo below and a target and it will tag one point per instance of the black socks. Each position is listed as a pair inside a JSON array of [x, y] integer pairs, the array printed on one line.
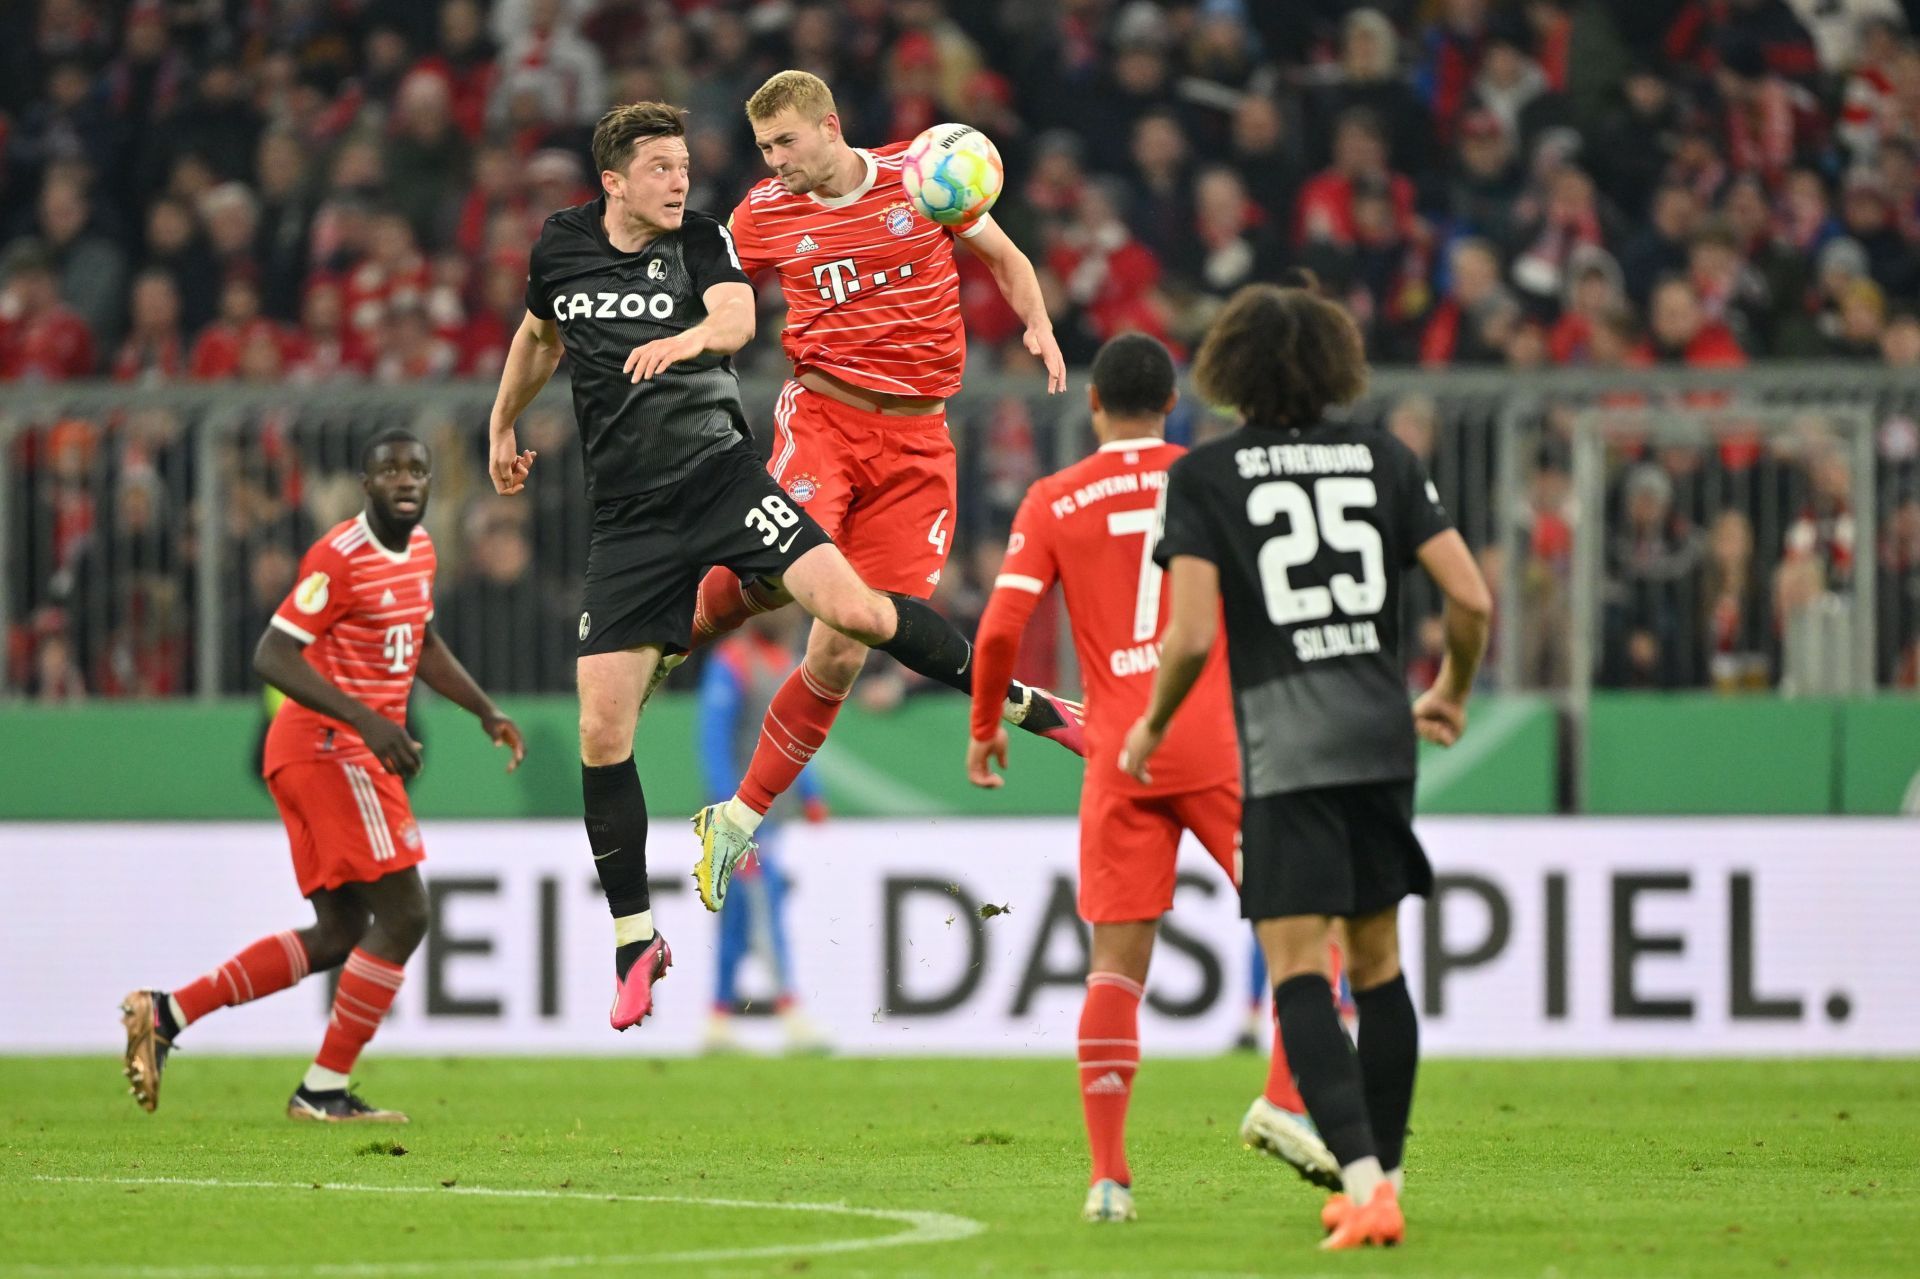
[[928, 644], [617, 830], [1389, 1055], [1324, 1066]]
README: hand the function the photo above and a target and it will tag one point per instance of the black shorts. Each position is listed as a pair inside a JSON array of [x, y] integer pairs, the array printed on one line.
[[648, 552], [1338, 850]]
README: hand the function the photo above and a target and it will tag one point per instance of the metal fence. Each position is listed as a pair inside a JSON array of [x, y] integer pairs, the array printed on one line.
[[149, 533]]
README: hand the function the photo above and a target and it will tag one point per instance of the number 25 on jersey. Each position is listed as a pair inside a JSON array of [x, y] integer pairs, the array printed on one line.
[[1331, 500]]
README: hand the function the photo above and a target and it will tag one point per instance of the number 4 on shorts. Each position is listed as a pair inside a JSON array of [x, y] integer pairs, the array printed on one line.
[[938, 535]]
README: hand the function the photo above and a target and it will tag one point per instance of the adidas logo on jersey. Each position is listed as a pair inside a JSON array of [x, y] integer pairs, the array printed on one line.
[[1105, 1086], [806, 245], [388, 597]]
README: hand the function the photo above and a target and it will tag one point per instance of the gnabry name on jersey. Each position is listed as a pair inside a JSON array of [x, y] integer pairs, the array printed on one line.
[[1105, 487], [1303, 459], [612, 305]]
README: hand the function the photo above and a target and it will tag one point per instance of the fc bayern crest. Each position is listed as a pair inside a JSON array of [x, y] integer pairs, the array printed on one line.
[[899, 220], [802, 487]]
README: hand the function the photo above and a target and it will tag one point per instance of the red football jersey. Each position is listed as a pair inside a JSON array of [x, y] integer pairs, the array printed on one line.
[[873, 297], [362, 611], [1092, 528]]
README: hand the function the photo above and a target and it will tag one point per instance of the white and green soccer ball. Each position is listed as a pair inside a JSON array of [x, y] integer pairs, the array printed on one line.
[[952, 174]]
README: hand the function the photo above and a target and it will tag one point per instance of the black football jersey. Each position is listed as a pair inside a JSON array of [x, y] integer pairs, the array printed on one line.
[[638, 436], [1311, 531]]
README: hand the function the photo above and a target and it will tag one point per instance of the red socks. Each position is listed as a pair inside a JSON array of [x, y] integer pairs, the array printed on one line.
[[795, 727], [367, 988], [269, 965], [724, 605], [1280, 1089], [1109, 1056]]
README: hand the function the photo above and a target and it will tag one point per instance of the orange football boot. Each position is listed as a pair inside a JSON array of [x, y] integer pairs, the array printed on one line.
[[1378, 1223]]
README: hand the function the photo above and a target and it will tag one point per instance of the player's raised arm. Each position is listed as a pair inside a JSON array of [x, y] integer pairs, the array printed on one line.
[[728, 327], [713, 262], [531, 359], [443, 673], [280, 660], [1020, 285]]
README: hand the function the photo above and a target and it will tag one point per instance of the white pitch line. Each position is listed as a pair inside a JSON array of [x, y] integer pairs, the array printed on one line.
[[922, 1228]]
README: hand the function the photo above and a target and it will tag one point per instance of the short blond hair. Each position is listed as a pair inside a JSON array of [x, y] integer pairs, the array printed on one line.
[[803, 91]]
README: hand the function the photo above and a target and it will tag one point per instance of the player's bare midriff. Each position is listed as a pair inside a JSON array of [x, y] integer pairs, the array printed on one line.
[[861, 397]]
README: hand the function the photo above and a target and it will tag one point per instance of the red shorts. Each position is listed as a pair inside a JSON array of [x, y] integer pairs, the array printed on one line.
[[348, 824], [882, 487], [1128, 844]]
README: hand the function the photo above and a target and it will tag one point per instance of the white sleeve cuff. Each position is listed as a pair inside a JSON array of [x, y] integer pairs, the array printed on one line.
[[282, 624], [1020, 582]]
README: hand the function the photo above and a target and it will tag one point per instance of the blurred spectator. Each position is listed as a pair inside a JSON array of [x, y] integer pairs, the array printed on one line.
[[1638, 137], [1477, 316], [1368, 77], [1731, 292], [542, 36], [1511, 86], [1736, 622], [1651, 559], [496, 615], [1266, 156], [1162, 213], [1770, 123], [41, 338], [173, 245], [1550, 232], [326, 349], [155, 350], [1487, 182], [1594, 290], [1106, 272], [1325, 213], [1867, 106], [93, 270], [1866, 215], [232, 219], [426, 155], [1450, 62], [1662, 248], [1681, 333], [217, 351], [284, 224], [465, 62], [1233, 242]]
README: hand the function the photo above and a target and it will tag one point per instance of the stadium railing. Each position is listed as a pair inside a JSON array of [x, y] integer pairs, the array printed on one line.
[[149, 531]]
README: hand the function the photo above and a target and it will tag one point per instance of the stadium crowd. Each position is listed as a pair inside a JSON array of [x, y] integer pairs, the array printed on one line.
[[301, 192]]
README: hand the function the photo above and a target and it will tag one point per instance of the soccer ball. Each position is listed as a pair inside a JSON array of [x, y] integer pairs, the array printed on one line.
[[952, 174]]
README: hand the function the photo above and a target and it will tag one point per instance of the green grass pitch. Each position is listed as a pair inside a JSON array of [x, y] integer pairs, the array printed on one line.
[[1550, 1169]]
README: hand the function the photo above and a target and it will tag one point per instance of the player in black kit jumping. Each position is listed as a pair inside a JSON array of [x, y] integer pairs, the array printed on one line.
[[1299, 527], [649, 300]]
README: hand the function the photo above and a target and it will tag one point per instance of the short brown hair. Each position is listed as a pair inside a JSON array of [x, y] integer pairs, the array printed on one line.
[[625, 127], [1281, 357], [802, 90]]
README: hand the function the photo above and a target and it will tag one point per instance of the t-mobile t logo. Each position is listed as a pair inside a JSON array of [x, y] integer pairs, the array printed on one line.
[[837, 280], [399, 648]]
